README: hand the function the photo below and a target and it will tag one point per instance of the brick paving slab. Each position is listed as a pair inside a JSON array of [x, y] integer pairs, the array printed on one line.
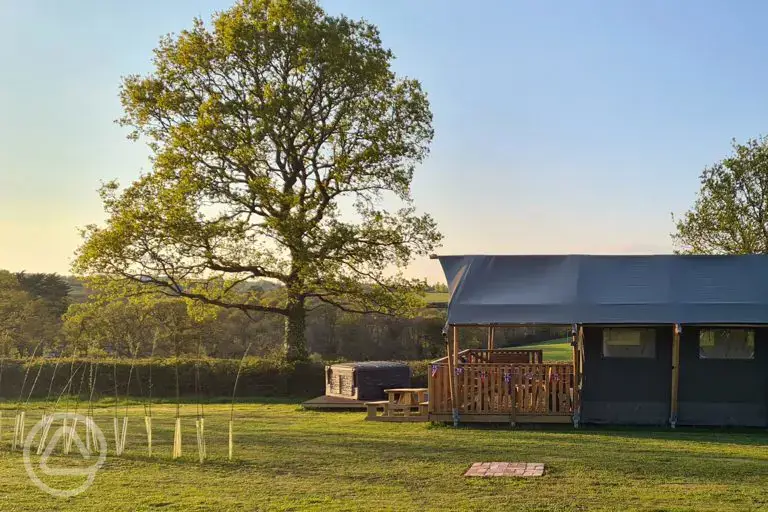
[[523, 469]]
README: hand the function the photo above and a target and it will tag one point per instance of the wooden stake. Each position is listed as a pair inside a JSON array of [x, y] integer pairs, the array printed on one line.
[[120, 434], [47, 421], [148, 426], [675, 374], [199, 443], [116, 429], [491, 341], [21, 430], [232, 407], [201, 448], [230, 439], [202, 429], [123, 435], [94, 440], [69, 436], [88, 435], [15, 432], [177, 439]]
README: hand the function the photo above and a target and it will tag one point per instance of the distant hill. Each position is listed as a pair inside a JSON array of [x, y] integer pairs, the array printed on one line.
[[436, 298], [79, 293]]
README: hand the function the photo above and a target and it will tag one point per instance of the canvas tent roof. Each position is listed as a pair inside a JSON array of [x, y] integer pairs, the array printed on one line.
[[569, 289]]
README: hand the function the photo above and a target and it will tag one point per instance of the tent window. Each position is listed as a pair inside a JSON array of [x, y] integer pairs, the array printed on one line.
[[727, 344], [629, 342]]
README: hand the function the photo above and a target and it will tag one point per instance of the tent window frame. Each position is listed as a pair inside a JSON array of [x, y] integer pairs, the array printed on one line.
[[628, 343], [720, 344]]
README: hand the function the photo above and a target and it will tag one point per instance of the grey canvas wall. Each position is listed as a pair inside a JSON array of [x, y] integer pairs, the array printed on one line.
[[626, 391], [722, 392]]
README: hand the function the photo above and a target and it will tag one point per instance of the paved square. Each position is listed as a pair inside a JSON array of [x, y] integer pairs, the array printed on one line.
[[506, 469]]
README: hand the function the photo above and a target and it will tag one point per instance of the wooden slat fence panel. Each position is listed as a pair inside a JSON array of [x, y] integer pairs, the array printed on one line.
[[503, 356], [496, 388]]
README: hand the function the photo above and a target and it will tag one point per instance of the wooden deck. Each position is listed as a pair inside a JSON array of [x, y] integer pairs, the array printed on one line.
[[501, 392], [325, 403], [502, 418]]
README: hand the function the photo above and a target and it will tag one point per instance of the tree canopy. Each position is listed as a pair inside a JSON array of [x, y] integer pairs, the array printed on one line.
[[52, 289], [280, 134], [30, 309], [730, 215]]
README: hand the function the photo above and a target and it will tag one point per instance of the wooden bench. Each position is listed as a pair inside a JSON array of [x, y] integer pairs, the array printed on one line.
[[373, 407], [396, 412]]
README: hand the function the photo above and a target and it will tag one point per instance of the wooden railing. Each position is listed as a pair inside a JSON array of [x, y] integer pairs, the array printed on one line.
[[501, 356], [501, 391]]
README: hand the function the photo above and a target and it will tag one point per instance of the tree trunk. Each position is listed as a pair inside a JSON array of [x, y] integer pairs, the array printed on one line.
[[295, 342]]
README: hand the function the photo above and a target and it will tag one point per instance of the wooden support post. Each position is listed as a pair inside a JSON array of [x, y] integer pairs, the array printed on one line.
[[455, 334], [675, 374], [491, 332], [452, 376], [578, 359]]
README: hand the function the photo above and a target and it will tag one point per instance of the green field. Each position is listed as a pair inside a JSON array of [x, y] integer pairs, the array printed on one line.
[[437, 297], [289, 459], [553, 350]]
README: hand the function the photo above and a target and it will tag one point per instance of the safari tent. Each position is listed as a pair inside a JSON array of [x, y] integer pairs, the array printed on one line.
[[657, 340]]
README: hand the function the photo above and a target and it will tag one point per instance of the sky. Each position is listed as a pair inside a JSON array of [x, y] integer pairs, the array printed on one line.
[[560, 127]]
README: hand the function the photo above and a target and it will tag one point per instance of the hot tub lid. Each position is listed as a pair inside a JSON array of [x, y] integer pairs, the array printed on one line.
[[371, 365]]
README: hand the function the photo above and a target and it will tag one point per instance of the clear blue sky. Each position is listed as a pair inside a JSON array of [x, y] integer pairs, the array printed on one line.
[[560, 126]]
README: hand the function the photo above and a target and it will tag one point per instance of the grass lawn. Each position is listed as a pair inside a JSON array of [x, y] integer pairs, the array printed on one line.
[[553, 350], [289, 459], [437, 296]]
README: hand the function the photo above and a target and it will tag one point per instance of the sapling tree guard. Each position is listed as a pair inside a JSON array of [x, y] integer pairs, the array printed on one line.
[[279, 135], [730, 215]]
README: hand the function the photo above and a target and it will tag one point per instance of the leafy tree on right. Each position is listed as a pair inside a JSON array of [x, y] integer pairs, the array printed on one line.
[[730, 215]]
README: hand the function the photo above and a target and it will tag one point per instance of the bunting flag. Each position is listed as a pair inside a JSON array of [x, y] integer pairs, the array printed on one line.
[[434, 370], [459, 370], [507, 377], [482, 376]]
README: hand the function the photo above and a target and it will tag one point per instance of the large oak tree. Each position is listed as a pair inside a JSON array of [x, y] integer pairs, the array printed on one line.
[[279, 134], [730, 215]]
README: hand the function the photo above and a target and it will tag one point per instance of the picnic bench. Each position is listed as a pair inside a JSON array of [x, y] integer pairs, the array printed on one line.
[[402, 404]]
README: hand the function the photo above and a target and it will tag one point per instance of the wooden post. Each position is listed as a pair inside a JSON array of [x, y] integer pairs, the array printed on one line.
[[675, 374], [491, 332], [455, 333], [449, 359], [575, 351], [578, 358], [452, 376]]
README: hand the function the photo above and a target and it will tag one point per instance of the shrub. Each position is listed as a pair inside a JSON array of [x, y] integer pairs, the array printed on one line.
[[259, 377]]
